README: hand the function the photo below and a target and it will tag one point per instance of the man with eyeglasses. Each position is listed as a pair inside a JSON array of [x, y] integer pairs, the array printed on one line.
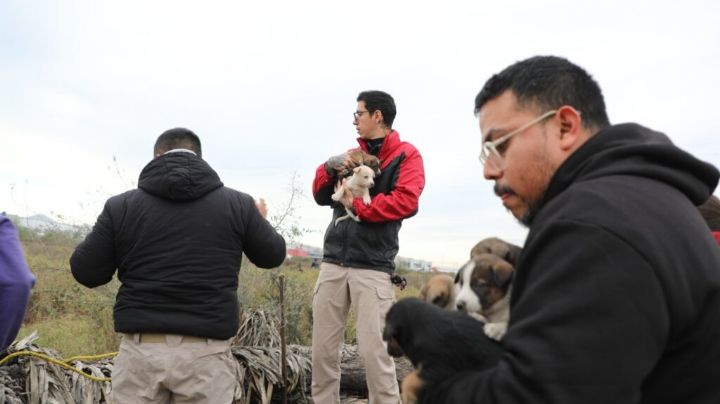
[[616, 296], [358, 257]]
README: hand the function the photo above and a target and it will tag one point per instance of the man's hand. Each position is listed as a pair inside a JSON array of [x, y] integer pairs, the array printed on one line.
[[341, 163], [262, 207]]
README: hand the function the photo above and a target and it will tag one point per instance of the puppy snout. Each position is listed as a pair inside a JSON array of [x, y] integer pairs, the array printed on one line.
[[461, 306]]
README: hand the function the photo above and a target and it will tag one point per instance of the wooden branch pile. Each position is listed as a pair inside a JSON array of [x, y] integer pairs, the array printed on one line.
[[31, 380]]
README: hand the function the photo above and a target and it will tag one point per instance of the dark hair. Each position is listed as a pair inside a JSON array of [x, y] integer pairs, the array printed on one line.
[[178, 138], [379, 100], [549, 82], [710, 211]]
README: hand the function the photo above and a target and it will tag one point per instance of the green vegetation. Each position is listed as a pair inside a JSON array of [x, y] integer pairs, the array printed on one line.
[[75, 320]]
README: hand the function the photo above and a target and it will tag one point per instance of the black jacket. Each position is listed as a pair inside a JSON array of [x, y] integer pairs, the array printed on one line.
[[617, 292], [373, 242], [177, 243]]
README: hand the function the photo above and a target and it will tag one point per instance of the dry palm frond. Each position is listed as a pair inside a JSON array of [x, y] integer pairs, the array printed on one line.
[[257, 328], [27, 379], [46, 382], [257, 349], [261, 374]]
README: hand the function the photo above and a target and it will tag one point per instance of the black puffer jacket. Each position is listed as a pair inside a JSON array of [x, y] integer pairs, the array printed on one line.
[[177, 243], [616, 297]]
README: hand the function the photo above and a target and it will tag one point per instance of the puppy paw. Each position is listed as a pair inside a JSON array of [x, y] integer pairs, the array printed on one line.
[[495, 330], [477, 316]]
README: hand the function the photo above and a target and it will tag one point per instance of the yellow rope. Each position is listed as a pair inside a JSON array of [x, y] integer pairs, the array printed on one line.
[[90, 357], [62, 363]]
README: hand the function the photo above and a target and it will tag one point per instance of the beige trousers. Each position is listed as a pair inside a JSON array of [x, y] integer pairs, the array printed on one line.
[[370, 294], [174, 371]]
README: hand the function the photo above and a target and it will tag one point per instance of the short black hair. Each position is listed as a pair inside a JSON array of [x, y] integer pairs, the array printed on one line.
[[549, 82], [178, 138], [710, 211], [379, 100]]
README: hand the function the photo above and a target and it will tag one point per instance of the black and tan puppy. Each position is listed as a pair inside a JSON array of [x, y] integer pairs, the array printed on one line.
[[439, 343], [493, 245], [440, 291]]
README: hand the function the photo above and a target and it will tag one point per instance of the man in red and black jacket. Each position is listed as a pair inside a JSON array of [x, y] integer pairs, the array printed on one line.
[[710, 211], [358, 256]]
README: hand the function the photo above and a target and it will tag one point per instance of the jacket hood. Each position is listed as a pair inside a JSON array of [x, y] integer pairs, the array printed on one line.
[[179, 177], [631, 149]]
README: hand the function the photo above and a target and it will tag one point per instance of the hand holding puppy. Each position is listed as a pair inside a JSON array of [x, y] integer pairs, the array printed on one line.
[[347, 197], [340, 164], [343, 164]]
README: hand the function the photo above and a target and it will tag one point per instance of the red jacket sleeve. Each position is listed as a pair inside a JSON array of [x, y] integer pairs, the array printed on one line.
[[323, 186]]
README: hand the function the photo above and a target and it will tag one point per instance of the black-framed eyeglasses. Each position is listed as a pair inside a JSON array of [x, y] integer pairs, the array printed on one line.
[[358, 114]]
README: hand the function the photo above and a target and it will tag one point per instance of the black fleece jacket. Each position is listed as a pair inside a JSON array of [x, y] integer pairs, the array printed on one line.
[[177, 242], [616, 298]]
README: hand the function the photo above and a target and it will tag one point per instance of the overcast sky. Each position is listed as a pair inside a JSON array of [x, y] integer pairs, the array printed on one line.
[[270, 87]]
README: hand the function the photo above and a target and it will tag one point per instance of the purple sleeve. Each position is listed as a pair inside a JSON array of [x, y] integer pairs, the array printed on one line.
[[16, 280]]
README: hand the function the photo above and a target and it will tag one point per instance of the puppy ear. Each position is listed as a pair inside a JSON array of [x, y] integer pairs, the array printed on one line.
[[502, 273], [356, 169]]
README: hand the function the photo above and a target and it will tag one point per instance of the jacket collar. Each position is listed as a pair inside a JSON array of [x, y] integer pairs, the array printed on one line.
[[392, 142]]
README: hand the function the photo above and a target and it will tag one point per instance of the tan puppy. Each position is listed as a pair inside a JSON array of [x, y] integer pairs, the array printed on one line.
[[440, 291], [358, 185], [484, 288]]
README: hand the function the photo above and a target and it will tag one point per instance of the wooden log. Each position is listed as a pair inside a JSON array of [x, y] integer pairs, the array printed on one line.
[[352, 368]]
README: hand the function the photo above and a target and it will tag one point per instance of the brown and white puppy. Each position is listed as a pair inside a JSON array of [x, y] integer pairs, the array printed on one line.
[[484, 288], [440, 291], [439, 343], [361, 158], [358, 185]]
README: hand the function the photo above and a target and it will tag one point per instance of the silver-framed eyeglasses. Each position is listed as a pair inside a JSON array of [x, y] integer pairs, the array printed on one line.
[[358, 114], [489, 152]]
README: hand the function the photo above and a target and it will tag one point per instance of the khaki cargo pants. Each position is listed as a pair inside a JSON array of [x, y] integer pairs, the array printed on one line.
[[160, 369], [370, 293]]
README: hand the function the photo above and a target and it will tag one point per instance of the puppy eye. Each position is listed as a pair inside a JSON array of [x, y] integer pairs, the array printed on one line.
[[478, 284]]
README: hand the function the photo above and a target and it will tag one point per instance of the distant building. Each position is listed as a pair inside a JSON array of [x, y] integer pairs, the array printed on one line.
[[300, 250], [303, 250], [413, 264]]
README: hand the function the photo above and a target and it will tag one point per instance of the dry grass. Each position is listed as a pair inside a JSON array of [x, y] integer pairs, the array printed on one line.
[[72, 320]]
